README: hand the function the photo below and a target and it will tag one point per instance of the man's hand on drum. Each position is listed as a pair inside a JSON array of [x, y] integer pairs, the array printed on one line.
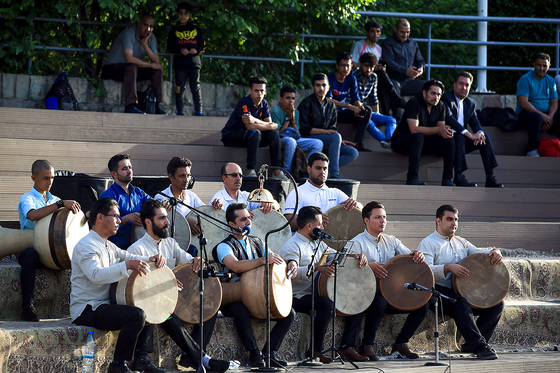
[[167, 205], [266, 207], [362, 258], [456, 269], [179, 285], [327, 270], [217, 204], [378, 269], [195, 229], [325, 220], [158, 259], [496, 257], [70, 204], [292, 269], [349, 204], [196, 264], [139, 266], [274, 258], [417, 256], [133, 217]]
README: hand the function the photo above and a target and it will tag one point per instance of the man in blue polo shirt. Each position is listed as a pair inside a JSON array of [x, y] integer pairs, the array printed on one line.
[[250, 126], [129, 198], [537, 102]]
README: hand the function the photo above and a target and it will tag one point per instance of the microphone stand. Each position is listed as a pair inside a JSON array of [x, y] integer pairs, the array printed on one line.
[[435, 298]]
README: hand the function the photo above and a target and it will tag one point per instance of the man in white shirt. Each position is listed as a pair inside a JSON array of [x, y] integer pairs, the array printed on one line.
[[315, 193], [155, 241], [443, 250], [379, 248], [96, 264]]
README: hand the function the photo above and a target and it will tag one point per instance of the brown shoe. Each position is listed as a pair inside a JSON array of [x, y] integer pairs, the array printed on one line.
[[369, 352], [404, 350], [353, 355], [325, 359]]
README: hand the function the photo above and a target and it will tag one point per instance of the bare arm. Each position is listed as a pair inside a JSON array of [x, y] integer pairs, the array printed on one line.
[[441, 129], [153, 64], [40, 213]]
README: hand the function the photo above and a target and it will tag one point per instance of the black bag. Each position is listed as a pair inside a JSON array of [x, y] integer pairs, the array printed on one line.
[[504, 118], [61, 96], [299, 165], [147, 101]]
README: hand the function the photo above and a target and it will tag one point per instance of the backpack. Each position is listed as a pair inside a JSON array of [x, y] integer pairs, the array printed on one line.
[[549, 148], [61, 96], [504, 118], [147, 100], [299, 165]]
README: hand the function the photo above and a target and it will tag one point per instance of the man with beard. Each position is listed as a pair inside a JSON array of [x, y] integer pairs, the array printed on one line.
[[157, 241], [316, 193], [129, 198]]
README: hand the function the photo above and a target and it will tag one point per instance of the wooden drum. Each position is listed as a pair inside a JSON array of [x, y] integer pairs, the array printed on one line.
[[182, 230], [188, 303], [486, 285], [251, 290], [355, 287], [401, 270], [155, 293], [343, 225]]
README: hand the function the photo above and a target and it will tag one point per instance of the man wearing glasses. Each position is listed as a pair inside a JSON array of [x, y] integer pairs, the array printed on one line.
[[232, 177]]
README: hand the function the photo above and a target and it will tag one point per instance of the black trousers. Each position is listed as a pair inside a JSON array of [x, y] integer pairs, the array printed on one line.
[[242, 317], [534, 123], [464, 146], [475, 333], [252, 140], [129, 74], [28, 259], [189, 343], [417, 144], [323, 313], [134, 334], [347, 116], [374, 314], [181, 77]]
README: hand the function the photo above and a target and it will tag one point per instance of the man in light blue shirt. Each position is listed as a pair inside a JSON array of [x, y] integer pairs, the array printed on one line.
[[537, 102]]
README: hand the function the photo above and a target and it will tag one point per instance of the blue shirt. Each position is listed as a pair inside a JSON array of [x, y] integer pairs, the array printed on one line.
[[128, 203], [224, 250], [538, 91], [346, 91], [32, 201], [245, 106]]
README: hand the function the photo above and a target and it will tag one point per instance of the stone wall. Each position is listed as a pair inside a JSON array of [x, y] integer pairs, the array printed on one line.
[[28, 91]]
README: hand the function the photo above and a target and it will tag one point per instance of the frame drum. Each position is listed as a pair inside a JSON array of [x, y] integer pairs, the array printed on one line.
[[486, 285], [263, 223], [343, 225], [402, 269], [213, 232], [182, 230], [188, 303], [156, 293], [355, 287], [251, 289], [55, 236]]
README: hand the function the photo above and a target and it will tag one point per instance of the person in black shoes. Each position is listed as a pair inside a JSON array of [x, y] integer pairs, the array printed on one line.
[[422, 130], [96, 264], [443, 250], [239, 253], [34, 205], [462, 112]]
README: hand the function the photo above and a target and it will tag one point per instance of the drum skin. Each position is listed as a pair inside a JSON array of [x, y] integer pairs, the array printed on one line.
[[355, 287], [182, 230], [188, 303], [263, 223], [343, 225], [213, 232], [156, 293], [55, 236], [402, 269], [486, 285]]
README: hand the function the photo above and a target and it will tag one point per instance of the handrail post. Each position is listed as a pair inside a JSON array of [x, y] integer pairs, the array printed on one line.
[[430, 49], [482, 58]]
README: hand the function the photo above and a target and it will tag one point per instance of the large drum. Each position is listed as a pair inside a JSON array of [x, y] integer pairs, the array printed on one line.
[[213, 232], [401, 269], [343, 225], [156, 293], [188, 303], [355, 287], [251, 290], [182, 230], [486, 285], [263, 223]]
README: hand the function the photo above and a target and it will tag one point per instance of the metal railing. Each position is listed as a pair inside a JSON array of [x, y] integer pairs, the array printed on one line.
[[429, 40]]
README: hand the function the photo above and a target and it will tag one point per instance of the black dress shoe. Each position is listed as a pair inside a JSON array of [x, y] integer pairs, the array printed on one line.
[[160, 111], [219, 366], [146, 367], [461, 180], [447, 182], [28, 313], [132, 109], [276, 362], [118, 368], [361, 148], [415, 181], [465, 348], [486, 353], [256, 359], [491, 182]]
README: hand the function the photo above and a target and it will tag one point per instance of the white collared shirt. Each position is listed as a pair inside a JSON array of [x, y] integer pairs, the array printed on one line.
[[309, 195], [167, 247], [227, 200], [377, 249], [190, 198]]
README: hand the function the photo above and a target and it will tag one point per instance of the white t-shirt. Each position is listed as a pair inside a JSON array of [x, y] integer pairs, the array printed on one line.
[[325, 198], [190, 199], [360, 47]]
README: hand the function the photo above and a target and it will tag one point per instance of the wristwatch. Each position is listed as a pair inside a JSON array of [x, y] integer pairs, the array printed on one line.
[[60, 203], [286, 119]]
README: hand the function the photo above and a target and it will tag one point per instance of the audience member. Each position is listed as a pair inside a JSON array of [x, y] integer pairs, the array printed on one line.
[[186, 42], [537, 103], [127, 62], [318, 117], [422, 130]]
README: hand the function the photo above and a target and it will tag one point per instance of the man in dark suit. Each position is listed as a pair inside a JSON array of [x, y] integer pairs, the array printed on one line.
[[462, 112]]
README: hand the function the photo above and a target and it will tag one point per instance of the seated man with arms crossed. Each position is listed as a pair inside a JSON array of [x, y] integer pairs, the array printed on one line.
[[96, 264], [157, 241], [239, 253]]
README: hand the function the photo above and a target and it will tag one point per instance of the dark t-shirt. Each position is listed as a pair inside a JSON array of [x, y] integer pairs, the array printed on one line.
[[245, 105], [416, 108]]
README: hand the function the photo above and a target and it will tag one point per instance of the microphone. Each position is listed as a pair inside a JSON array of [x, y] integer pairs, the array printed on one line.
[[212, 273], [246, 230], [319, 233], [413, 286]]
